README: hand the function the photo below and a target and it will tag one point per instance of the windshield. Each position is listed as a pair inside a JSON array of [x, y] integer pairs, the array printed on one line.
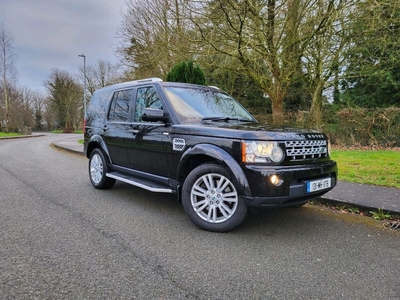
[[196, 104]]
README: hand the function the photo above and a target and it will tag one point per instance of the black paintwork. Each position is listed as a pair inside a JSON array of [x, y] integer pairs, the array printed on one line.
[[145, 149]]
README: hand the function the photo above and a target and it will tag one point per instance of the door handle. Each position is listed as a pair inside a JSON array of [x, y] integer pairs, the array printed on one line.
[[135, 131]]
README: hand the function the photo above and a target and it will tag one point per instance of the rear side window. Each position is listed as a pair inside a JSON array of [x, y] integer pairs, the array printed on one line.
[[119, 109], [147, 97]]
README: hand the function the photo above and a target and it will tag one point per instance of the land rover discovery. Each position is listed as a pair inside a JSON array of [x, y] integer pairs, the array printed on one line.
[[199, 143]]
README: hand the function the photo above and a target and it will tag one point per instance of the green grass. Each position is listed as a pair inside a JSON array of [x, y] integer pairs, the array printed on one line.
[[3, 134], [61, 131], [380, 214], [380, 167]]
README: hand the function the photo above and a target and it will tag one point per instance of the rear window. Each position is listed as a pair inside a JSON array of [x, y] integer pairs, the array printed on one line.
[[120, 104]]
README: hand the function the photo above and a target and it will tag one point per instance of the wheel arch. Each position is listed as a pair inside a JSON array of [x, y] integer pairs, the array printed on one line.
[[97, 141], [204, 153]]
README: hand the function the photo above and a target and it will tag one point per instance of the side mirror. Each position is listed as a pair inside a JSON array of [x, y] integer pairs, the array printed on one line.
[[153, 115]]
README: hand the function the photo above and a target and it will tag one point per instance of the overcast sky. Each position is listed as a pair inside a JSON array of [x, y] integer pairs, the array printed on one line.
[[51, 33]]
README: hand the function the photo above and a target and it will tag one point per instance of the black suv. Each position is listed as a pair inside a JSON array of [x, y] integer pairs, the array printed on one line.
[[199, 143]]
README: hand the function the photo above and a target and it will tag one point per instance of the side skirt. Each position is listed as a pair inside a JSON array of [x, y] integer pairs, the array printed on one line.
[[139, 182]]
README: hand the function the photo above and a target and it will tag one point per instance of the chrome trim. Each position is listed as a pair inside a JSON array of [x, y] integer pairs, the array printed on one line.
[[143, 186], [301, 150]]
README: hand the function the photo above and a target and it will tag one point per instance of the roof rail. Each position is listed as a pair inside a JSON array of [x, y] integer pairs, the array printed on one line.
[[153, 79], [214, 87]]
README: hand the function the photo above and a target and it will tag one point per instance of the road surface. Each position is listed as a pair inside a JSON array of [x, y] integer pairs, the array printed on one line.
[[62, 239]]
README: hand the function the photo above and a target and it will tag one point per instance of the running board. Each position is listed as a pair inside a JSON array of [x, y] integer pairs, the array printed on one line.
[[144, 184]]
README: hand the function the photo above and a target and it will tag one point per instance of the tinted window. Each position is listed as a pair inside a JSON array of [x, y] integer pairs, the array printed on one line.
[[119, 108], [146, 97]]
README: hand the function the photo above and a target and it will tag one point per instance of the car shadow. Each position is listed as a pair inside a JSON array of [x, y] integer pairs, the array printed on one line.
[[267, 222]]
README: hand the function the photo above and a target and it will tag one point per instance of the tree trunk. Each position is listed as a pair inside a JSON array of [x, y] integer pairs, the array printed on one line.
[[277, 111], [316, 107], [7, 116], [5, 91], [336, 91]]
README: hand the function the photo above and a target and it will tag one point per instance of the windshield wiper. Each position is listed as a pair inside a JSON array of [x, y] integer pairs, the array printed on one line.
[[224, 119]]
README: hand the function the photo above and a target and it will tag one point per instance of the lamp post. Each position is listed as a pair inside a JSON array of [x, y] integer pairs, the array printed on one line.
[[84, 84]]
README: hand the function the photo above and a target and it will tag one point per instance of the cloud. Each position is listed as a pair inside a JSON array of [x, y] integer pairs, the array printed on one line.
[[51, 33]]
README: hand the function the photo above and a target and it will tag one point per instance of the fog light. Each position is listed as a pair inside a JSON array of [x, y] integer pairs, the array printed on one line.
[[276, 180]]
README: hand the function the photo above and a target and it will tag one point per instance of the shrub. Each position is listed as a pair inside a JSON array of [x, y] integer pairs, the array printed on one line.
[[186, 72], [69, 129], [367, 127], [351, 127]]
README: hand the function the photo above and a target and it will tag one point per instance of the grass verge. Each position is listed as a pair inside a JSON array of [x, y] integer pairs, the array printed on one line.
[[61, 131], [3, 134], [380, 167]]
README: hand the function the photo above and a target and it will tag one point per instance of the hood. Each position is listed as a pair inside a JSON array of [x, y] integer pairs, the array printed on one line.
[[247, 131]]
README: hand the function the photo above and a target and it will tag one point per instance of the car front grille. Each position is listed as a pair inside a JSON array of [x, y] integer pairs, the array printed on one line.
[[302, 150]]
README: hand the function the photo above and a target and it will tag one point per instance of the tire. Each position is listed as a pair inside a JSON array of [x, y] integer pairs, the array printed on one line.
[[210, 198], [97, 170]]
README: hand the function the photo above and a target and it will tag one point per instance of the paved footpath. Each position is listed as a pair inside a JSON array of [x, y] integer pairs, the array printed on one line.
[[366, 196], [71, 144]]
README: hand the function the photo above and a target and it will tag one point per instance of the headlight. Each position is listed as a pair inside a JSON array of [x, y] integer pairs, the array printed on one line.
[[261, 152]]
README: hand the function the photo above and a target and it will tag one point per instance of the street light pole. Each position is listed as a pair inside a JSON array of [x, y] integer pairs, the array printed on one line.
[[84, 84]]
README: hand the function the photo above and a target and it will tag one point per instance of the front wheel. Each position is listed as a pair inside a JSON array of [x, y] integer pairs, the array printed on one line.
[[98, 169], [211, 200]]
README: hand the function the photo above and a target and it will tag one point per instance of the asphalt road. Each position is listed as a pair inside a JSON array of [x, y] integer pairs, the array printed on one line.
[[62, 239]]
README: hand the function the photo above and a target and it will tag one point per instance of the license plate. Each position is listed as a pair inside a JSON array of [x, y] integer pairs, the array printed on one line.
[[317, 185]]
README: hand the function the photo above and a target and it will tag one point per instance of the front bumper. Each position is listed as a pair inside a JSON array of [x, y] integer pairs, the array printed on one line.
[[293, 190]]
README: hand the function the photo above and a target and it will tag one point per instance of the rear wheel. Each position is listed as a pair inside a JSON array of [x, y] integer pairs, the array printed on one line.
[[97, 170], [211, 200]]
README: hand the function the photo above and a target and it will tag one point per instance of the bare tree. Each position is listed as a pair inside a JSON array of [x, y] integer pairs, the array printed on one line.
[[32, 108], [25, 110], [268, 38], [280, 45], [324, 57], [7, 66], [49, 114], [16, 110], [101, 74], [150, 34]]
